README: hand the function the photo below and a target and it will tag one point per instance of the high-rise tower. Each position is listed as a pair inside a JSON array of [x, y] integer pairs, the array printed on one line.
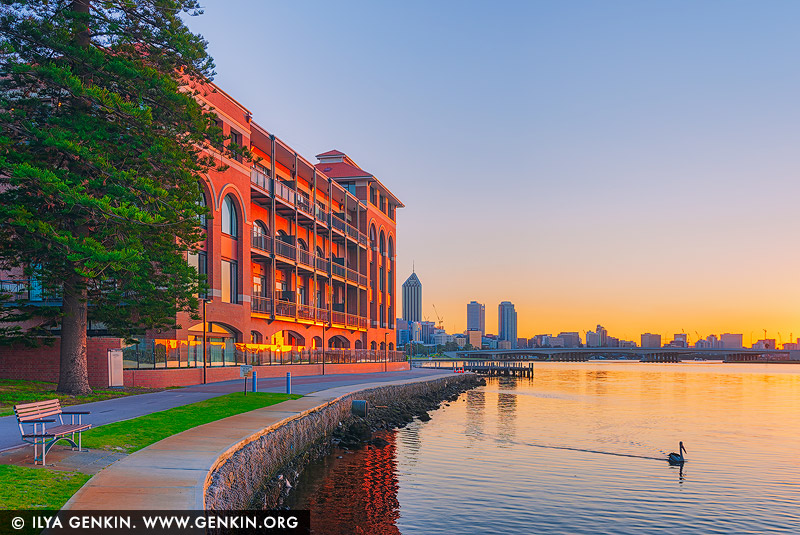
[[412, 298], [476, 317], [507, 323]]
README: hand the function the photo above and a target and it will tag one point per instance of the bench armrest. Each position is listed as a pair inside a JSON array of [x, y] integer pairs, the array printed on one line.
[[37, 421], [76, 412], [40, 435]]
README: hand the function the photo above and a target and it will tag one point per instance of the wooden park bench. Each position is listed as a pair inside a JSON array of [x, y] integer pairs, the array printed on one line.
[[47, 412]]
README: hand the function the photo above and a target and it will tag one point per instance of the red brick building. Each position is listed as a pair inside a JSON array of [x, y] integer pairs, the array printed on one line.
[[298, 255]]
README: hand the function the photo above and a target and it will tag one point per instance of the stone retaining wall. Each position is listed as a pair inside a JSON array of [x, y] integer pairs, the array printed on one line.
[[238, 475]]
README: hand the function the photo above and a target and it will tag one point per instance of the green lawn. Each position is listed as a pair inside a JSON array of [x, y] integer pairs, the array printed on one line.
[[135, 434], [35, 488], [14, 392]]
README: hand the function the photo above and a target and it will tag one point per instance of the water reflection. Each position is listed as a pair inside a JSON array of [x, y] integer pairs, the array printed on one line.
[[587, 444], [506, 409], [356, 494], [476, 408]]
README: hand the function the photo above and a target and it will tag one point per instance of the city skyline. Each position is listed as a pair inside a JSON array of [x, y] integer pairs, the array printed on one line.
[[639, 172]]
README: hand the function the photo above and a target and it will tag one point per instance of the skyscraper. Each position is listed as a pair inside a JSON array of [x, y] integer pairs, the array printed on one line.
[[476, 317], [412, 298], [507, 323]]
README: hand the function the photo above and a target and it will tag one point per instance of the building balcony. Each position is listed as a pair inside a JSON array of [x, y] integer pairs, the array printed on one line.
[[30, 290], [285, 309], [261, 305], [261, 242], [285, 250], [267, 187]]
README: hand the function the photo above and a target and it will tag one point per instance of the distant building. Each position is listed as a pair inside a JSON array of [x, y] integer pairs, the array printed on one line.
[[476, 317], [489, 342], [790, 346], [731, 341], [507, 323], [441, 338], [412, 298], [474, 339], [504, 344], [522, 343], [768, 343], [538, 340], [651, 340], [571, 339], [680, 340], [427, 329], [592, 340]]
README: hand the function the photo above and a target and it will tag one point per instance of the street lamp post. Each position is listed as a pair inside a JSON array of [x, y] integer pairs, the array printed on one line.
[[386, 350], [324, 327], [205, 301]]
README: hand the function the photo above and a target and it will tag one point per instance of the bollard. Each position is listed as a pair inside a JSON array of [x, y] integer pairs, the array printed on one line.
[[359, 407], [288, 382], [255, 385]]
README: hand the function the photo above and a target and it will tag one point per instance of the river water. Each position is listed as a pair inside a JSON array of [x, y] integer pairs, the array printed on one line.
[[581, 448]]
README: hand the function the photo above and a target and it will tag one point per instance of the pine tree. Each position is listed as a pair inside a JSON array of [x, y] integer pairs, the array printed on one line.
[[101, 153]]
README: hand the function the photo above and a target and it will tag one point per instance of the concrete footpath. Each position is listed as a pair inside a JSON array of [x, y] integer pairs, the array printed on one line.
[[125, 408], [171, 474]]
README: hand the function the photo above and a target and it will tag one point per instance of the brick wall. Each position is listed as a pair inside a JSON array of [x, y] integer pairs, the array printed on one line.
[[42, 363]]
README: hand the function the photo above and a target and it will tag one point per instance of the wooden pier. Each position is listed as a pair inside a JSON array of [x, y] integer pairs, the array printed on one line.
[[507, 368]]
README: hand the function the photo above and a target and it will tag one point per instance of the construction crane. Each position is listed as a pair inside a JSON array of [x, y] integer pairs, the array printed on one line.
[[698, 336], [438, 317]]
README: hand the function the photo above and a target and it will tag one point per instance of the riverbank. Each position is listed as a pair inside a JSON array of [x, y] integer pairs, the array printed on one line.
[[389, 407], [221, 465]]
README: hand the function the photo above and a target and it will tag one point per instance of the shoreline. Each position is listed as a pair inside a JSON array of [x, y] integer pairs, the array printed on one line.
[[222, 464]]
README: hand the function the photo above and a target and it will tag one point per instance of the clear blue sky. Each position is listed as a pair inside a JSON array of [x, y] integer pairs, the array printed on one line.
[[632, 163]]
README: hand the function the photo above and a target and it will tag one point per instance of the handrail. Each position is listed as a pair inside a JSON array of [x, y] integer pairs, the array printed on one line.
[[259, 241], [339, 318], [284, 192], [338, 270], [260, 177], [304, 257], [305, 312], [285, 250], [261, 305], [338, 224]]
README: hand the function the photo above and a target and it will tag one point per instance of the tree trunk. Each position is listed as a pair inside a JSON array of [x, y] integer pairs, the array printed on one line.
[[73, 377]]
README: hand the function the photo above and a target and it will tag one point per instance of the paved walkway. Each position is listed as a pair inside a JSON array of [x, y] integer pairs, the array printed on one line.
[[125, 408], [171, 473]]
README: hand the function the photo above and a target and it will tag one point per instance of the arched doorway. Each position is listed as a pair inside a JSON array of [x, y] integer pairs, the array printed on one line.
[[338, 342]]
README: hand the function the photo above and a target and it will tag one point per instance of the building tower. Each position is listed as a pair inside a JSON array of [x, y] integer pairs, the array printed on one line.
[[476, 317], [507, 323], [412, 298]]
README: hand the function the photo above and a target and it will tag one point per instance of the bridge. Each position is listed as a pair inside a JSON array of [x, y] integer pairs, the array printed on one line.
[[644, 354]]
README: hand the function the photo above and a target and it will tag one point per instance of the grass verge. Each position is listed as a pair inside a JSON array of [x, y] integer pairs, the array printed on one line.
[[35, 488], [137, 433], [14, 391]]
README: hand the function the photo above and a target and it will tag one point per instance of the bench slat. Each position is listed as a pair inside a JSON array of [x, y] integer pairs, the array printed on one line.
[[37, 405], [66, 429]]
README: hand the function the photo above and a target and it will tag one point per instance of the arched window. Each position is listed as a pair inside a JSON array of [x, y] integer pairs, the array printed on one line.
[[391, 346], [202, 202], [320, 252], [383, 244], [285, 238], [229, 218], [373, 345], [260, 230], [255, 337], [302, 245], [391, 247], [372, 237]]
